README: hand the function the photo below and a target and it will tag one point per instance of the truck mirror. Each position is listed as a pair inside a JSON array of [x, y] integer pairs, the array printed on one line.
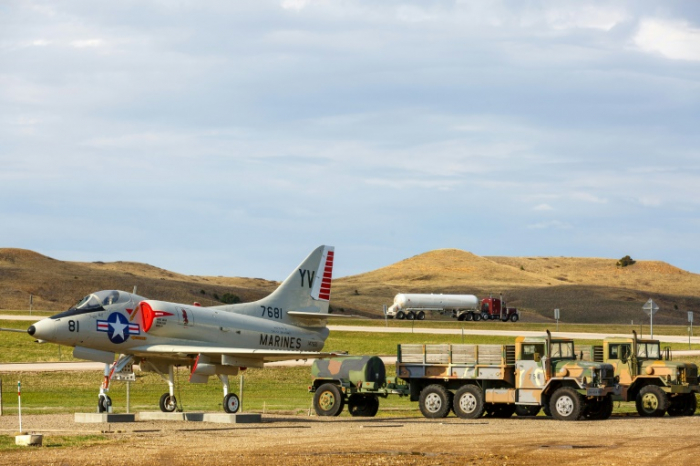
[[537, 357]]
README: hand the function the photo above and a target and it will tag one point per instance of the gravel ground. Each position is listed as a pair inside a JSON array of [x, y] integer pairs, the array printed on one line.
[[292, 440]]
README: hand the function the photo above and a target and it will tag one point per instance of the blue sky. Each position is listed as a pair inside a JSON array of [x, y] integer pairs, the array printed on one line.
[[231, 138]]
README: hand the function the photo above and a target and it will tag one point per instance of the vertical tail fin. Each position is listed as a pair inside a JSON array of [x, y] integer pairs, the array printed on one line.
[[302, 298]]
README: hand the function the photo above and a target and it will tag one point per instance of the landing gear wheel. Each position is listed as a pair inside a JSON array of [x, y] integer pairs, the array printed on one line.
[[527, 411], [651, 402], [363, 405], [103, 404], [566, 404], [231, 403], [599, 409], [468, 402], [420, 315], [434, 402], [514, 318], [328, 401], [168, 403]]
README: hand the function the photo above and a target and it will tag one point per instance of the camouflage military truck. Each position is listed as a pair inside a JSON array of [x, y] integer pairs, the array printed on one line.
[[499, 380], [355, 381], [656, 384], [474, 380]]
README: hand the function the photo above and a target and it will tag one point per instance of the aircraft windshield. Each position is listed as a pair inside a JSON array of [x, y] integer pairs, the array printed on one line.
[[95, 302], [648, 351], [563, 349]]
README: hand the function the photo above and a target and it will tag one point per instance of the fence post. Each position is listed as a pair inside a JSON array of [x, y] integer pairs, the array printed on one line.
[[0, 397]]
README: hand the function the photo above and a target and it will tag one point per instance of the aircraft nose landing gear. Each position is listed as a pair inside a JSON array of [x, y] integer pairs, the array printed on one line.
[[168, 403], [104, 403], [231, 403]]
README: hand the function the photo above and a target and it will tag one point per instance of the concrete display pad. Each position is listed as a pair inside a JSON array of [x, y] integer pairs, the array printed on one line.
[[223, 418], [104, 417]]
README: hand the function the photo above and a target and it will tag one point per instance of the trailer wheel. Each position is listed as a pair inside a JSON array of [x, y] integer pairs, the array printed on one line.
[[168, 403], [566, 404], [651, 402], [599, 409], [527, 410], [468, 402], [363, 405], [514, 318], [410, 315], [328, 401], [434, 402], [420, 315]]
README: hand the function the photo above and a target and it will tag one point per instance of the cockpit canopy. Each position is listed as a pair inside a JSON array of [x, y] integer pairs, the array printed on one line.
[[97, 301]]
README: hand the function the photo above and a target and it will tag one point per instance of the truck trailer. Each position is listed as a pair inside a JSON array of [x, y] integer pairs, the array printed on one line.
[[476, 380], [461, 307]]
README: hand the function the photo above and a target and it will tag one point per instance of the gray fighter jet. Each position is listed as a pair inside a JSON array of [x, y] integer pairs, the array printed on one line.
[[288, 324]]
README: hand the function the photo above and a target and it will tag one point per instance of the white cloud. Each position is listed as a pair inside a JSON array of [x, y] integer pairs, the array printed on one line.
[[543, 207], [87, 43], [552, 224], [676, 40]]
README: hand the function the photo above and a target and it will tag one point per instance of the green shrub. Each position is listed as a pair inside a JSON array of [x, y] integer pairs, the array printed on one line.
[[625, 261]]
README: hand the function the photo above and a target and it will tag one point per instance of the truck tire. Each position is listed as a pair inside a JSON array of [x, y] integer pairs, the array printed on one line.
[[527, 410], [485, 316], [651, 401], [599, 409], [476, 316], [434, 402], [566, 404], [682, 405], [363, 405], [328, 401], [514, 318], [410, 315], [420, 315], [461, 317], [468, 402], [400, 315]]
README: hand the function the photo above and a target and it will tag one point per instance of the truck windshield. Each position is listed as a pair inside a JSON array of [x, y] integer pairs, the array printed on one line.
[[563, 349], [648, 351]]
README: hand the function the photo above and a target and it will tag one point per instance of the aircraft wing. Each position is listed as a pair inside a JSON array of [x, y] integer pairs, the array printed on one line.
[[263, 355]]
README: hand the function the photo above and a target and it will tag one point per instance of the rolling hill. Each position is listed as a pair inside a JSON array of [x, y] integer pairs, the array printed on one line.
[[585, 289]]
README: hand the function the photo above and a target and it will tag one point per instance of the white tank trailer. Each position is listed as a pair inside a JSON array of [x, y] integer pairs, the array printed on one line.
[[461, 306]]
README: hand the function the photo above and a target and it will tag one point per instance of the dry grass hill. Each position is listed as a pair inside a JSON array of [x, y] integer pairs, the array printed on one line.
[[586, 290]]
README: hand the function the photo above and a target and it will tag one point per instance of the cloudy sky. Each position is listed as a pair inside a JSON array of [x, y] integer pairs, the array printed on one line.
[[231, 138]]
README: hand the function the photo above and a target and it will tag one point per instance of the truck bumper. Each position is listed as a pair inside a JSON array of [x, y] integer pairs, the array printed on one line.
[[603, 391]]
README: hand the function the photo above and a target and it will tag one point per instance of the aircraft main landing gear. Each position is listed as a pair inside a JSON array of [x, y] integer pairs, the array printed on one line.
[[231, 401]]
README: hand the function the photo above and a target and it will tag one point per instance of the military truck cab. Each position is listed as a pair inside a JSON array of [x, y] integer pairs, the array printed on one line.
[[648, 376]]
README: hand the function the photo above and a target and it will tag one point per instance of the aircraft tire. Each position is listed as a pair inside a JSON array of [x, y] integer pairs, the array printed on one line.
[[104, 404], [231, 403], [168, 403], [328, 401]]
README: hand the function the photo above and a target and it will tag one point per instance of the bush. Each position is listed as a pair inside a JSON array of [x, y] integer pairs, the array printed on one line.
[[625, 261], [229, 298]]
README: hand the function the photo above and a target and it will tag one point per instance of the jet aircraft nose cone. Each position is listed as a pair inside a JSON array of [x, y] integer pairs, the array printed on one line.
[[31, 330]]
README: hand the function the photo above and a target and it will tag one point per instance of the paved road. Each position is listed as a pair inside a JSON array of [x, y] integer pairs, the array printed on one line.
[[503, 333]]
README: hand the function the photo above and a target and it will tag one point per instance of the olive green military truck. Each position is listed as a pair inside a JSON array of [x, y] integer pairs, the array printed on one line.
[[476, 380], [647, 376]]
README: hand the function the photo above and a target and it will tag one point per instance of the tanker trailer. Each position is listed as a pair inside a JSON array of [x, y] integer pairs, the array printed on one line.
[[414, 306], [462, 307]]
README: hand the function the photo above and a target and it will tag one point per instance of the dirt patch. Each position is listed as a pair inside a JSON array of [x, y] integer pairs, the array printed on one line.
[[292, 440]]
